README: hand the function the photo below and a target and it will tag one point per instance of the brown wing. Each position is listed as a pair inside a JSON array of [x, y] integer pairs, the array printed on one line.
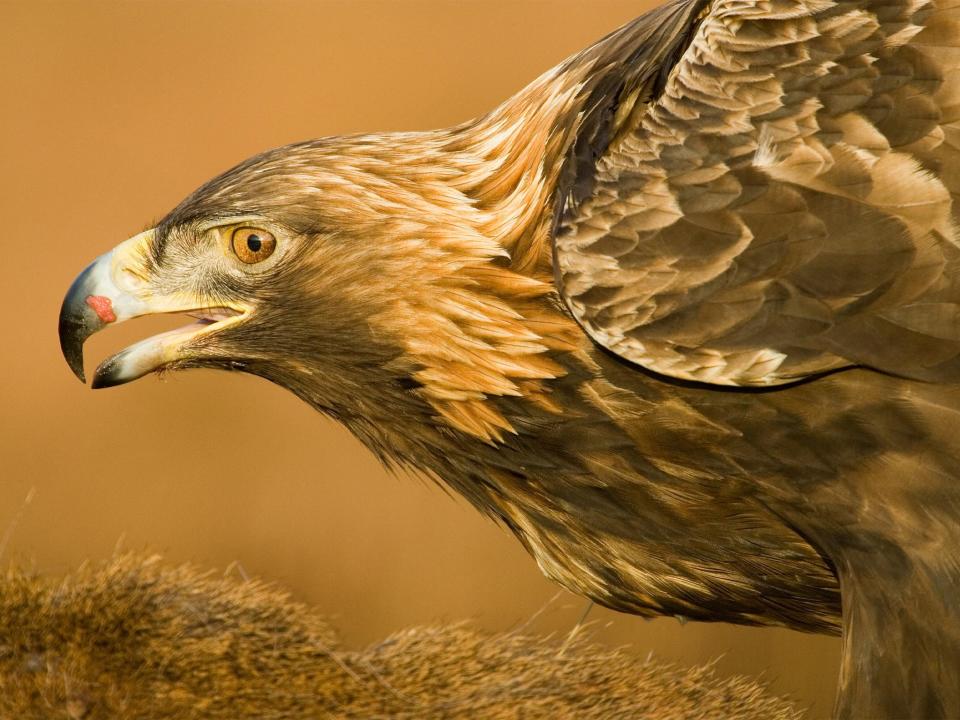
[[786, 205]]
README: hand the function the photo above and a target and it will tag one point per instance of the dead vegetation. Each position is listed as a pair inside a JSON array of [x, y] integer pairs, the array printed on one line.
[[133, 638]]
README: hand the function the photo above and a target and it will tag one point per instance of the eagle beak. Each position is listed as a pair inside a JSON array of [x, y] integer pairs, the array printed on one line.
[[114, 288]]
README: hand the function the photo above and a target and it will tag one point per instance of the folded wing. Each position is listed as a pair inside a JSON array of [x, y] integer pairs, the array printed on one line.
[[784, 204]]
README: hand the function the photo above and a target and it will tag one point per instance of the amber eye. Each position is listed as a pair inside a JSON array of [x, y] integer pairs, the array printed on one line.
[[253, 245]]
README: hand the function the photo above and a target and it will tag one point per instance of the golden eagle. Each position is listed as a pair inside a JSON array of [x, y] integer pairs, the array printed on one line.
[[682, 314]]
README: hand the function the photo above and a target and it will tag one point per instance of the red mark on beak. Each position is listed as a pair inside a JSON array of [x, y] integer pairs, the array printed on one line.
[[103, 307]]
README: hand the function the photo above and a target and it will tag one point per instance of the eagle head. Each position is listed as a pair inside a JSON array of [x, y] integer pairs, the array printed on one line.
[[291, 264], [369, 275]]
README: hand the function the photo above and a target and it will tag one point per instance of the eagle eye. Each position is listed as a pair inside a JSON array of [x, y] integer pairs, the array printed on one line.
[[253, 245]]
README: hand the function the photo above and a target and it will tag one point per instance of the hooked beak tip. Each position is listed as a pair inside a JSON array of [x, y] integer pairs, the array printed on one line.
[[79, 319], [72, 348]]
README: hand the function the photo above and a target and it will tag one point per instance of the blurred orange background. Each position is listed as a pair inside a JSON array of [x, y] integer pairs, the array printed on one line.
[[111, 113]]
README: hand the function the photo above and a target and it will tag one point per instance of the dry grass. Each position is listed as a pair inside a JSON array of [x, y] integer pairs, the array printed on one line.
[[133, 638]]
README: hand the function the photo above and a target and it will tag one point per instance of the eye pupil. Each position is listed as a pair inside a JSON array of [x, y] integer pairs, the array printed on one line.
[[254, 243]]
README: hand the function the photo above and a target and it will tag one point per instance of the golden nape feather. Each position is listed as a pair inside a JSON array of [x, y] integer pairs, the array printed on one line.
[[682, 315], [133, 638]]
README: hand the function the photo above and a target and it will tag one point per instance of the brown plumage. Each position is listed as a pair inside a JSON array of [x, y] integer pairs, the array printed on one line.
[[681, 314], [134, 639]]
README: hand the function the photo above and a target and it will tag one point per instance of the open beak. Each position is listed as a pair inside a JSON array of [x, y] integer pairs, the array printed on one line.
[[115, 288]]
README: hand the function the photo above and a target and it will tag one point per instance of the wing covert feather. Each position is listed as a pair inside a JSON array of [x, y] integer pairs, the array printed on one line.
[[786, 205]]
